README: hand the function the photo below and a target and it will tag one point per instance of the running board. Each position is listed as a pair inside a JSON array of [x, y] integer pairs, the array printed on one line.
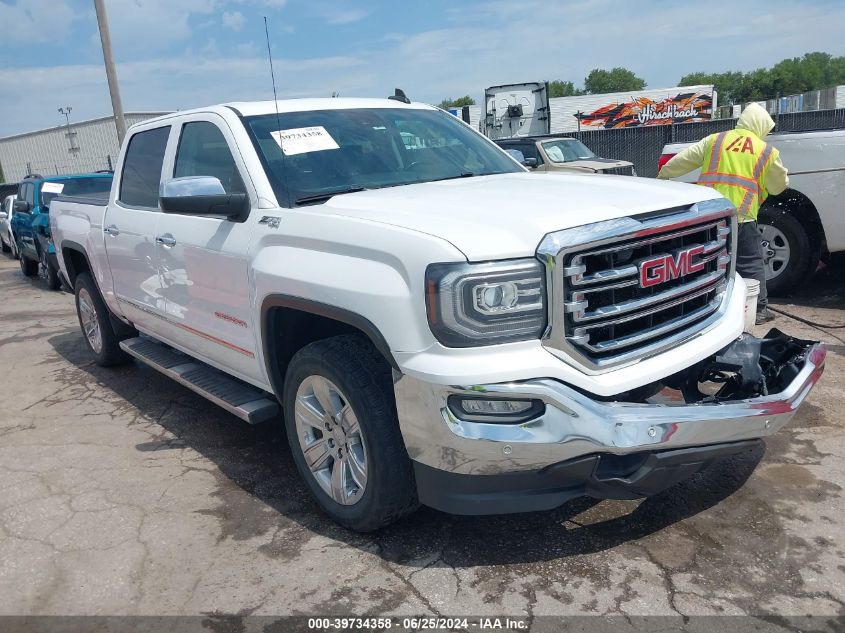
[[238, 398]]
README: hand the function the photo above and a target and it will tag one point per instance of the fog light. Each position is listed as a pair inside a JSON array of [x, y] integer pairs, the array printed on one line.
[[497, 411]]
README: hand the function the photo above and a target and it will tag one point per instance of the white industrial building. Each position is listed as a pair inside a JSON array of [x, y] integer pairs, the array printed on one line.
[[66, 149]]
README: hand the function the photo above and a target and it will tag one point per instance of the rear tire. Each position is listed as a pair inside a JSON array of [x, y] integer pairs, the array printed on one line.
[[51, 275], [28, 267], [339, 384], [6, 247], [790, 250], [96, 324]]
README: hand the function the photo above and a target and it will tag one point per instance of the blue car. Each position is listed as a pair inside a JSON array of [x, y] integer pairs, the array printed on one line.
[[31, 220]]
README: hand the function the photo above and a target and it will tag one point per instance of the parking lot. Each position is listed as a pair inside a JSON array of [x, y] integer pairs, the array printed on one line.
[[122, 492]]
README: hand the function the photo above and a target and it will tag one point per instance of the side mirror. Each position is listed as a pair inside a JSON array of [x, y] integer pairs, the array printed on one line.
[[531, 163], [202, 195], [22, 206]]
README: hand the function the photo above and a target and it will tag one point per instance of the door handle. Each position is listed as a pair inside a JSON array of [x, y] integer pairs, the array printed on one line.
[[111, 229], [166, 240]]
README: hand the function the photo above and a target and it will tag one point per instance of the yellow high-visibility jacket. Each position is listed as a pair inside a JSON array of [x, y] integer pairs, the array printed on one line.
[[738, 164]]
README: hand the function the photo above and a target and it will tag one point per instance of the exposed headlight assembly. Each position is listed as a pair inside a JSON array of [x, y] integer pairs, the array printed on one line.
[[484, 304]]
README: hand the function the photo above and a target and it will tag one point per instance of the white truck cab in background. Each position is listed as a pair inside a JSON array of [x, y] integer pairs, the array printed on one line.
[[807, 221], [428, 322]]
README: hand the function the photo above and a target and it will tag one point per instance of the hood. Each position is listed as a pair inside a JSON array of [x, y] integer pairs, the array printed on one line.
[[755, 119], [506, 215]]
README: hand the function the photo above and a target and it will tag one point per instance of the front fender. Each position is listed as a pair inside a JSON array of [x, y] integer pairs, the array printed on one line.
[[369, 269]]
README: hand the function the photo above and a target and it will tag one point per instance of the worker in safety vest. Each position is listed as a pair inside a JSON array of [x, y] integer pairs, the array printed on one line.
[[741, 166]]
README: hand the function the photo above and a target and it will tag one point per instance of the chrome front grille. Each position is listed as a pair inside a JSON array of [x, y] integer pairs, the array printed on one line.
[[634, 286]]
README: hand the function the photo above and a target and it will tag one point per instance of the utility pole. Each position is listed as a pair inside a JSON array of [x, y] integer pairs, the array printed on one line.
[[111, 74]]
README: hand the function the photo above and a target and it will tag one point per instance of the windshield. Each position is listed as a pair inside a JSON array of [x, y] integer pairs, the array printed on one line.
[[328, 151], [567, 149], [90, 186]]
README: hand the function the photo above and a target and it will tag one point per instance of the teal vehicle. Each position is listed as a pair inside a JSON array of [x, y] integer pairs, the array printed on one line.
[[31, 220]]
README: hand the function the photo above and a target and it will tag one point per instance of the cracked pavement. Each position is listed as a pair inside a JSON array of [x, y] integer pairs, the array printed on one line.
[[123, 493]]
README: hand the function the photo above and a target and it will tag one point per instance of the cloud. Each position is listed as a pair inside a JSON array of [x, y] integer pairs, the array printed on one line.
[[346, 17], [190, 81], [162, 64], [233, 20], [154, 25], [34, 21]]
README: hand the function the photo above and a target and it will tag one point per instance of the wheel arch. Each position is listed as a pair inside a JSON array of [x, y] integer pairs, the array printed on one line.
[[76, 261], [290, 323], [800, 205]]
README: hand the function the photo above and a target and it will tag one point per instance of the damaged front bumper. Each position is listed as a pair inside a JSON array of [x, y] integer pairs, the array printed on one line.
[[581, 445]]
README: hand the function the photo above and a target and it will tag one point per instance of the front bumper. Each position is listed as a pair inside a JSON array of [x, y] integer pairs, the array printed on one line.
[[574, 425]]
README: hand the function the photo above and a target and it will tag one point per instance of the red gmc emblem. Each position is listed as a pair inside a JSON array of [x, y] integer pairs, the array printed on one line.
[[665, 268]]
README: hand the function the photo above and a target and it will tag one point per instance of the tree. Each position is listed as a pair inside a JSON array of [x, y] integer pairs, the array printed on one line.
[[813, 71], [460, 102], [615, 80], [560, 88]]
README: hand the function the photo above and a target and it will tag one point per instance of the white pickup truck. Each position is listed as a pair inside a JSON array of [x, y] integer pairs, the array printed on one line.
[[806, 222], [429, 322]]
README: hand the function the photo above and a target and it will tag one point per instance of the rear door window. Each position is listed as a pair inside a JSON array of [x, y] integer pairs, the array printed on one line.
[[142, 168]]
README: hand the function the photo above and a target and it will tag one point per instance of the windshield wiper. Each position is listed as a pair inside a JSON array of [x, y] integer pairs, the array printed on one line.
[[463, 174], [326, 195]]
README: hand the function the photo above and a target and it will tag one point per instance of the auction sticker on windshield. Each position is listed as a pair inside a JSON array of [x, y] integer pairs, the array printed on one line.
[[301, 140], [52, 187]]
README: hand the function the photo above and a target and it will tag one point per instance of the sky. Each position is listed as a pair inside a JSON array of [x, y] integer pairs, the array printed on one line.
[[178, 54]]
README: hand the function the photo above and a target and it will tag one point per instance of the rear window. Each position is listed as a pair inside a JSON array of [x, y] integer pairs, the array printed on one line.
[[142, 168], [97, 187]]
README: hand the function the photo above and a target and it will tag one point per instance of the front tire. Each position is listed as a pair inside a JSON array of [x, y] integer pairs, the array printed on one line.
[[4, 245], [341, 425], [94, 319], [28, 267], [790, 253]]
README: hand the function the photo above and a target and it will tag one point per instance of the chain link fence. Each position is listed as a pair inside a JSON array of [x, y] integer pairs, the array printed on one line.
[[643, 145]]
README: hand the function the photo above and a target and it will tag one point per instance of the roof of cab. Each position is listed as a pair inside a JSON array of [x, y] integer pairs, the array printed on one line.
[[252, 108], [255, 108], [94, 174]]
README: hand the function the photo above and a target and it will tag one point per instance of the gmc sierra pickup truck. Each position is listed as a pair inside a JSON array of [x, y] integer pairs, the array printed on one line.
[[428, 322]]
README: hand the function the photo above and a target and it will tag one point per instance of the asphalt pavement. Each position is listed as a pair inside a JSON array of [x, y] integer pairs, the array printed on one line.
[[123, 493]]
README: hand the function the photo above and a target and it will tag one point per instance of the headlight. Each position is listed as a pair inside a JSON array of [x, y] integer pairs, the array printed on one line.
[[485, 304]]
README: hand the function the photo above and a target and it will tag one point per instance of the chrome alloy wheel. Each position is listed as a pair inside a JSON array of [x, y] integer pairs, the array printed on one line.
[[776, 250], [331, 440], [90, 324]]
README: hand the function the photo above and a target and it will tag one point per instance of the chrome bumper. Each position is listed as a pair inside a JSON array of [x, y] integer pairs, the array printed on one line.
[[574, 425]]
